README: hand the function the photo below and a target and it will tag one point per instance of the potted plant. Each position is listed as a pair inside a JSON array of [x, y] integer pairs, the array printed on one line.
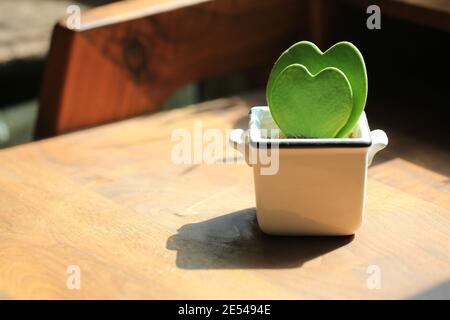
[[315, 131]]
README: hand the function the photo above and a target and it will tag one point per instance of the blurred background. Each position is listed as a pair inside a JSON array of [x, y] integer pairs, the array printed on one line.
[[25, 32], [408, 62]]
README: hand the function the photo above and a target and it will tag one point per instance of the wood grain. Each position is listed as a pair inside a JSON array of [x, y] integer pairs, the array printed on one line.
[[129, 57], [110, 201]]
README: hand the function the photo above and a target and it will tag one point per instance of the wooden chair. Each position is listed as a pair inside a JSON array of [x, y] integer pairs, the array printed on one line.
[[129, 56]]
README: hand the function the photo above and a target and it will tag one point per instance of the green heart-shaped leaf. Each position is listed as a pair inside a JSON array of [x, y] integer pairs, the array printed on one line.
[[309, 105], [343, 56]]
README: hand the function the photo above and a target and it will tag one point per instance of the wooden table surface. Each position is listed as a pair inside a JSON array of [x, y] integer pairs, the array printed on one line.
[[110, 201]]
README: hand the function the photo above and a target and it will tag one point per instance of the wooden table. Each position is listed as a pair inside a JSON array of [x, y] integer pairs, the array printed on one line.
[[110, 201]]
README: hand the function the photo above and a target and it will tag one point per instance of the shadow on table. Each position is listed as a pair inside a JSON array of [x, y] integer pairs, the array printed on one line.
[[439, 292], [235, 241]]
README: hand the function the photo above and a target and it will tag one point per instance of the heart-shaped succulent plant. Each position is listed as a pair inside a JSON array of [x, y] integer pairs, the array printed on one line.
[[315, 94]]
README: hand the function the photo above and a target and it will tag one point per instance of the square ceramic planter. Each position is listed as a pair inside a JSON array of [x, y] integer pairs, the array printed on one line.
[[319, 186]]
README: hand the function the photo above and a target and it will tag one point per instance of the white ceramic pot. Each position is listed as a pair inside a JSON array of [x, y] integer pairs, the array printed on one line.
[[318, 186]]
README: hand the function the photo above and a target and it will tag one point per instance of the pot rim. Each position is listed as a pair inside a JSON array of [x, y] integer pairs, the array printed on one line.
[[256, 140]]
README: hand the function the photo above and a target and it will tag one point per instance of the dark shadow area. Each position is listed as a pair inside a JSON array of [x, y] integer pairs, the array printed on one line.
[[234, 241], [440, 292], [20, 80]]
